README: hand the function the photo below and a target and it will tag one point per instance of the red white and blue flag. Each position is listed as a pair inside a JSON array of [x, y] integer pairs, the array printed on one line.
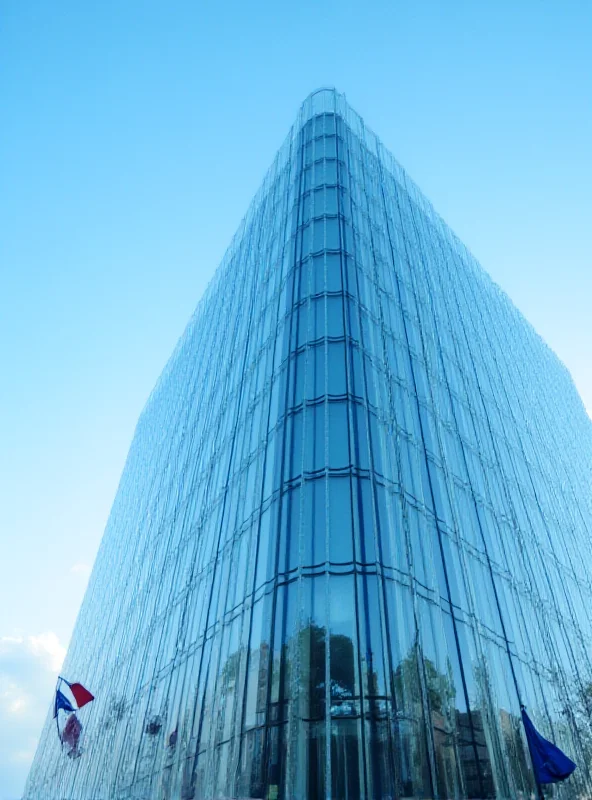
[[69, 698]]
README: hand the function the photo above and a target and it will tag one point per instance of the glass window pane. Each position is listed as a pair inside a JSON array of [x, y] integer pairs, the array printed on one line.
[[338, 436], [314, 521], [336, 368], [340, 517]]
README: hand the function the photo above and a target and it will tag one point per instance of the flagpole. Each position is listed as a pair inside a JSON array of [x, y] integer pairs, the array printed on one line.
[[517, 687], [55, 703], [538, 785], [541, 796]]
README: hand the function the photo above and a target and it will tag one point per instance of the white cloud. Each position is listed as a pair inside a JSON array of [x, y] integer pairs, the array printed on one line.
[[48, 648], [20, 756], [8, 640], [81, 569], [12, 700], [28, 669]]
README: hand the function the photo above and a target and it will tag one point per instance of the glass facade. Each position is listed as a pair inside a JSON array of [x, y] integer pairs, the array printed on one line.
[[354, 528]]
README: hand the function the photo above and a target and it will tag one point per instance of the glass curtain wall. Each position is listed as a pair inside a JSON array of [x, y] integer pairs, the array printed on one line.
[[354, 527]]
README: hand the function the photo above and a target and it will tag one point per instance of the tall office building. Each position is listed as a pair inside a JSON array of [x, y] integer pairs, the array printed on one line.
[[354, 529]]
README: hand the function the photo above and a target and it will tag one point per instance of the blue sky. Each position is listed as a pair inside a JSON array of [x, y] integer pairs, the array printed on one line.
[[133, 137]]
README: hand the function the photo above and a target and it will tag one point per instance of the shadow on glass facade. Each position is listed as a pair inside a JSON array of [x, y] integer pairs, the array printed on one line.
[[354, 528]]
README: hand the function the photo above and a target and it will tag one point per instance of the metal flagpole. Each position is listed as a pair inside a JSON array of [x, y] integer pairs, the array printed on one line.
[[55, 709]]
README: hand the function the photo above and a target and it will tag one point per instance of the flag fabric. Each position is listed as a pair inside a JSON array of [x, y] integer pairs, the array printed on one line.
[[550, 764], [71, 734], [81, 695], [61, 701], [71, 731]]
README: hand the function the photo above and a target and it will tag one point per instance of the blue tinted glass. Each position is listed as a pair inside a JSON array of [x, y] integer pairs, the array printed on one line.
[[338, 435], [351, 534], [340, 520], [315, 438], [334, 283], [336, 368], [335, 316], [314, 521]]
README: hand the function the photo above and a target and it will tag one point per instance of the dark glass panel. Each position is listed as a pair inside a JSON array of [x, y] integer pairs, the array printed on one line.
[[343, 651], [314, 770], [346, 775]]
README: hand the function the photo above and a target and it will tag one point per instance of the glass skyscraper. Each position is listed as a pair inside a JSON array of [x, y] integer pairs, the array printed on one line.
[[354, 529]]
